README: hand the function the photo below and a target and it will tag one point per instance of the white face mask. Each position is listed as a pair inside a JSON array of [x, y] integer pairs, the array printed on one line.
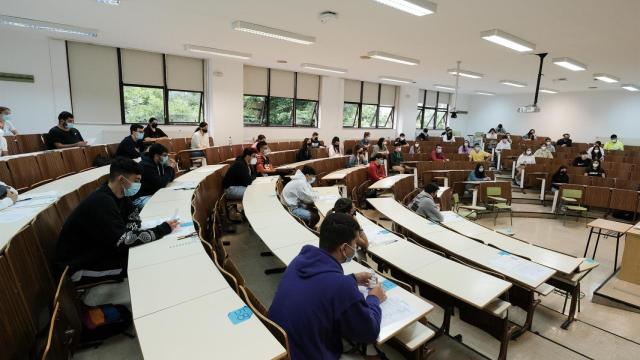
[[595, 165], [438, 150], [1, 132], [543, 148], [401, 137], [481, 169], [528, 152], [477, 149], [253, 161], [596, 151]]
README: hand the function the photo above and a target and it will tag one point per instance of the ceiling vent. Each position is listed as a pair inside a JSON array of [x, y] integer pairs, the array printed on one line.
[[328, 16]]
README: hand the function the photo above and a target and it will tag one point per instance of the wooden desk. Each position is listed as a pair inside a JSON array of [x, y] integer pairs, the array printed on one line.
[[617, 228], [630, 267], [342, 173], [388, 182]]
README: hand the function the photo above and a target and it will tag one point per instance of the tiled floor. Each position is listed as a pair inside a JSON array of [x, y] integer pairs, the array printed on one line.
[[600, 332]]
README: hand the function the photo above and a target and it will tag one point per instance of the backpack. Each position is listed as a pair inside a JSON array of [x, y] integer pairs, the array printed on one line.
[[104, 321]]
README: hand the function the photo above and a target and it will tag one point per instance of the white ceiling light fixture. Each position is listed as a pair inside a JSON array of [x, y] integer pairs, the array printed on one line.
[[606, 78], [548, 91], [505, 39], [570, 64], [486, 93], [413, 7], [630, 87], [381, 55], [513, 83], [217, 52], [444, 87], [109, 2], [272, 33], [330, 69], [47, 26], [396, 79], [466, 73]]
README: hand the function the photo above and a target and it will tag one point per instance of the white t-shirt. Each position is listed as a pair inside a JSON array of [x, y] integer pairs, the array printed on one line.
[[6, 202], [199, 140], [3, 142], [9, 128]]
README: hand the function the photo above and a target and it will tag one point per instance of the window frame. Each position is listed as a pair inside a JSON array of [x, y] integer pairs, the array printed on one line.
[[377, 112], [436, 109]]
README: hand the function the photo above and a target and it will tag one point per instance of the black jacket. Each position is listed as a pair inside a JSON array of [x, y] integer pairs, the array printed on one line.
[[582, 163], [99, 232], [303, 154], [560, 178], [154, 176], [129, 148], [239, 174]]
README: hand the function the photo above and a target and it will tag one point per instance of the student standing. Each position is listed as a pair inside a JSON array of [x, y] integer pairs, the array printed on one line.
[[263, 165], [8, 196], [240, 175], [152, 132], [65, 135], [614, 144], [304, 153], [157, 171], [376, 168], [424, 203], [300, 196], [131, 146], [334, 149]]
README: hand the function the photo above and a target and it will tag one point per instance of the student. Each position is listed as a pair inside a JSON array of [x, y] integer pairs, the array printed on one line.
[[260, 138], [345, 206], [380, 147], [447, 135], [365, 139], [152, 132], [531, 135], [200, 139], [240, 175], [131, 146], [565, 141], [334, 149], [582, 160], [478, 174], [315, 142], [8, 196], [424, 135], [526, 158], [157, 171], [65, 135], [263, 165], [95, 238], [317, 305], [4, 147], [401, 140], [500, 129], [415, 148], [614, 144], [396, 159], [464, 149], [491, 135], [595, 152], [560, 177], [357, 157], [503, 144], [595, 170], [5, 121], [437, 154], [300, 196], [424, 203], [304, 153], [376, 168], [477, 154], [543, 152], [550, 146]]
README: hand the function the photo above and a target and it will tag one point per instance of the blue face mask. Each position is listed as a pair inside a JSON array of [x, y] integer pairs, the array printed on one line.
[[70, 125], [312, 180], [349, 258], [7, 117], [139, 135], [133, 189], [165, 160]]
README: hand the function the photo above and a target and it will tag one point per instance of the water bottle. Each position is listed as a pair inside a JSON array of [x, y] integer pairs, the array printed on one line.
[[373, 280], [230, 141]]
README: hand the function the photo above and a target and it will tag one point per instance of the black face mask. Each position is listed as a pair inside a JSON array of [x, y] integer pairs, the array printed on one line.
[[204, 130], [154, 125]]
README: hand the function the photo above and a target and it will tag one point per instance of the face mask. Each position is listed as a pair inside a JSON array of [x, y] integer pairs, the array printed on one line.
[[481, 169], [315, 138], [548, 143], [205, 131], [139, 135], [154, 125], [379, 161], [438, 151], [401, 137], [614, 141], [398, 149], [69, 125], [7, 117], [133, 189], [253, 161], [595, 166], [267, 152], [543, 148], [165, 160], [596, 151], [563, 171], [417, 145], [528, 152], [477, 149], [312, 180], [349, 258]]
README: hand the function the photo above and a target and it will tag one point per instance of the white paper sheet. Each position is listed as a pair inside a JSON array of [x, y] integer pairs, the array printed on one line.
[[378, 236], [512, 264], [451, 217], [394, 310], [183, 185], [34, 202], [12, 214], [46, 194]]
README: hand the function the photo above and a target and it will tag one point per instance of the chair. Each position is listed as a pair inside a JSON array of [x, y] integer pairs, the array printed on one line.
[[54, 347], [407, 199], [66, 204], [466, 211], [70, 313], [52, 165], [47, 227], [5, 174], [572, 201], [231, 280], [75, 159], [232, 269], [25, 173], [498, 203]]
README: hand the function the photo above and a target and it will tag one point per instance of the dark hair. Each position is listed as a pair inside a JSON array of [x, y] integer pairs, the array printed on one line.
[[476, 144], [426, 130], [200, 126], [614, 136], [366, 133], [599, 143], [477, 170], [261, 144], [152, 119], [65, 115], [379, 156], [315, 133], [335, 138], [566, 134], [492, 129], [157, 149], [337, 229], [560, 169], [123, 166], [3, 109], [248, 152], [135, 127], [505, 137], [547, 139], [308, 170], [430, 188], [380, 141], [305, 144], [261, 137], [343, 205], [402, 134]]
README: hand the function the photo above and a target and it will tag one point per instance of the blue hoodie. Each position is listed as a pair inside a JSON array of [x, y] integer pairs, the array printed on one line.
[[317, 305]]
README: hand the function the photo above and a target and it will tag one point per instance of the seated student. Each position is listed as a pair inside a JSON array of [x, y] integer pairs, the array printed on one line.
[[365, 139], [401, 140], [152, 132], [5, 121], [8, 196], [595, 152], [299, 195], [560, 177], [464, 149], [157, 171], [503, 144], [565, 141], [357, 157], [95, 238], [304, 153], [437, 154], [477, 154], [396, 159], [549, 144], [491, 135], [478, 174], [500, 129], [582, 160], [200, 139], [317, 305], [424, 203], [423, 136], [531, 135], [345, 206], [614, 144], [65, 135], [263, 165], [260, 138], [447, 135], [334, 148], [415, 148], [380, 147], [376, 168], [315, 142], [595, 170], [240, 175], [526, 158], [131, 146], [543, 152], [4, 147]]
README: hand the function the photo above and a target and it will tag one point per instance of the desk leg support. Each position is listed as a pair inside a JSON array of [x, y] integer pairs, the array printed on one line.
[[588, 241], [597, 242], [522, 178], [279, 270], [446, 322], [542, 189], [575, 297], [615, 260], [474, 201], [533, 304]]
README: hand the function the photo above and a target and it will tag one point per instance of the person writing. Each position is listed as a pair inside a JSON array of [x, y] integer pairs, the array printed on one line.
[[560, 177], [334, 148], [376, 168], [299, 196], [240, 175], [437, 154], [152, 132], [304, 153], [131, 146], [157, 171], [477, 154], [95, 238], [424, 203], [318, 305], [65, 135], [595, 170], [614, 144], [8, 196], [263, 165]]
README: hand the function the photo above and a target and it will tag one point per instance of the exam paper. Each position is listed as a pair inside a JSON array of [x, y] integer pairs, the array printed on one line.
[[34, 202], [512, 264], [378, 236], [46, 194], [451, 217], [12, 214], [394, 310]]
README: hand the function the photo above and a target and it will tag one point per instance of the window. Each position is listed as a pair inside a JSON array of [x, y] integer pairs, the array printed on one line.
[[280, 98], [142, 103], [368, 105], [185, 106], [433, 110]]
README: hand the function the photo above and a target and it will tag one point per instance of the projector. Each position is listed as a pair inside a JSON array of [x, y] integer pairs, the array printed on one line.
[[529, 109]]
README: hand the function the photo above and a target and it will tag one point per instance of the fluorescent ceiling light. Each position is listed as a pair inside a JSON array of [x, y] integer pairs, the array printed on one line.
[[513, 83], [381, 55], [413, 7], [548, 91], [273, 33], [47, 26], [570, 64], [505, 39], [324, 68], [396, 79], [217, 52], [630, 87], [109, 2], [466, 73], [606, 78], [444, 87], [487, 93]]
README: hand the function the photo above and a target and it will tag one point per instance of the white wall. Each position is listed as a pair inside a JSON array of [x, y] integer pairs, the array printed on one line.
[[585, 115]]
